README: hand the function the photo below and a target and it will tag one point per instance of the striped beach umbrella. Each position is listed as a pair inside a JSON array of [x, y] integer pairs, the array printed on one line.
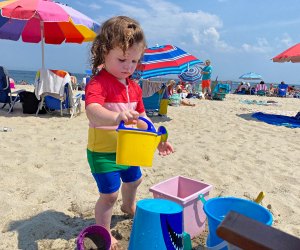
[[192, 75], [44, 21], [164, 60]]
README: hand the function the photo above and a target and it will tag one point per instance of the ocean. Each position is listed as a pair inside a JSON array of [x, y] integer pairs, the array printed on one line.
[[29, 76]]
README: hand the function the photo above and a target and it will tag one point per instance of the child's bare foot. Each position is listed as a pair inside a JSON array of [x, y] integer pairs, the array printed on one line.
[[129, 211], [115, 244]]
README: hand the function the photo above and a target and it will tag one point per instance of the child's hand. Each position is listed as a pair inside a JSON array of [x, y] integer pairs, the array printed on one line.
[[165, 148], [128, 116]]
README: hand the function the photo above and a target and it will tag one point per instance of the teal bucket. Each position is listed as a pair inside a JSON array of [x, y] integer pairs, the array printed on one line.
[[217, 208]]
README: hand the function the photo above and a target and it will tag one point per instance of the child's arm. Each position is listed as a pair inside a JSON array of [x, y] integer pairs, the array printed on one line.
[[100, 116], [164, 148]]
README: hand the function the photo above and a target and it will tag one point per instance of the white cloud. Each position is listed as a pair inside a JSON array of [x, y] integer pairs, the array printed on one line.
[[286, 40], [165, 22], [262, 46]]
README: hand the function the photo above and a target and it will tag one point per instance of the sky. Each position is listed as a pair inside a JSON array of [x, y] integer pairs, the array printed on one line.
[[238, 36]]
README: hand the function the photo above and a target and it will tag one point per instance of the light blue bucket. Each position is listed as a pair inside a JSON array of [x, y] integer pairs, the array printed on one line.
[[217, 208], [157, 224]]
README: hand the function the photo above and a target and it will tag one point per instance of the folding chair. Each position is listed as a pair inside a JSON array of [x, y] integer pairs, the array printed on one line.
[[6, 96], [58, 95]]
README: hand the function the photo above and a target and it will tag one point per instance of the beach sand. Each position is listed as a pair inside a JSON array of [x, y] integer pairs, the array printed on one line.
[[48, 194]]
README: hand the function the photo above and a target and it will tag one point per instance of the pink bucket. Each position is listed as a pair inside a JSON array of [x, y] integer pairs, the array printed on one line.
[[185, 191]]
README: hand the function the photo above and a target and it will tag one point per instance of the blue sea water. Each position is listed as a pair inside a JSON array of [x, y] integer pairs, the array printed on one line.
[[29, 76]]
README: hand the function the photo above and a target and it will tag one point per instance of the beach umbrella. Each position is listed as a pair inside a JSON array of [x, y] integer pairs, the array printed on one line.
[[44, 21], [164, 60], [192, 75], [251, 76], [292, 54]]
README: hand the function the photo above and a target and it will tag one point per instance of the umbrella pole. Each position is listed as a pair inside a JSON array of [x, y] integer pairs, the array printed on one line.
[[42, 44]]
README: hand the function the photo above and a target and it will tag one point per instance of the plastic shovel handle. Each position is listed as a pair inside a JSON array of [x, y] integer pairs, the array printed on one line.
[[201, 198]]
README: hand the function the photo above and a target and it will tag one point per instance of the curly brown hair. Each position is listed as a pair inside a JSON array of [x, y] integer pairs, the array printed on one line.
[[119, 31]]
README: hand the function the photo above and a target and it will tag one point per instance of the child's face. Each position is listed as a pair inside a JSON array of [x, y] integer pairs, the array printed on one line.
[[122, 66]]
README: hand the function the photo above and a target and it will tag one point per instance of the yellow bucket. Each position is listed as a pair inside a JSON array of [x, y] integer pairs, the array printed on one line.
[[136, 147]]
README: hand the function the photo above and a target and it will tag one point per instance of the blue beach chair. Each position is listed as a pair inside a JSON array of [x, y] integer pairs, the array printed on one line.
[[220, 91], [6, 96], [66, 102], [282, 89]]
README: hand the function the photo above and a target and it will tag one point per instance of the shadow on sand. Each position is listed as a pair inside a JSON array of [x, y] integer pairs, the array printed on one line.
[[51, 225]]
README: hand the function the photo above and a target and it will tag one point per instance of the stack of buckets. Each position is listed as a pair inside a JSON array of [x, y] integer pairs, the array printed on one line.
[[185, 192]]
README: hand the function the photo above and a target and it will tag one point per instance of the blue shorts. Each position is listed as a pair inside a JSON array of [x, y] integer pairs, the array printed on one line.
[[110, 182]]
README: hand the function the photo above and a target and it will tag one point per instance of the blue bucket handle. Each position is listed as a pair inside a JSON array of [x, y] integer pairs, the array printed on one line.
[[150, 128]]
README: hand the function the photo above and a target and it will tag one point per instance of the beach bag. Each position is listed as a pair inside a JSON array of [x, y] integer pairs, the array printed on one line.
[[30, 103]]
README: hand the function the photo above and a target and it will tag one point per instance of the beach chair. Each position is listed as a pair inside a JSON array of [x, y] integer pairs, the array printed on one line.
[[57, 94], [261, 92], [220, 91], [282, 92], [6, 96], [69, 104]]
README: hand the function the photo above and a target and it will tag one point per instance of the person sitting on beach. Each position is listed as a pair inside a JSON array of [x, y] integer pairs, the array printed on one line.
[[291, 90], [112, 97], [183, 87], [183, 101], [241, 89], [73, 81], [261, 88], [170, 87], [271, 91], [282, 89]]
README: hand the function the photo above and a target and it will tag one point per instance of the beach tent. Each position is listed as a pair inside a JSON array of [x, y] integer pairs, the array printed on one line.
[[44, 21]]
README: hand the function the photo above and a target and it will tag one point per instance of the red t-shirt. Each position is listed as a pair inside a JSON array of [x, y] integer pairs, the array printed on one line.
[[106, 90]]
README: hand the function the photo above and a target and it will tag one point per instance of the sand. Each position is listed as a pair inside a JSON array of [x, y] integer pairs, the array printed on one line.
[[48, 194]]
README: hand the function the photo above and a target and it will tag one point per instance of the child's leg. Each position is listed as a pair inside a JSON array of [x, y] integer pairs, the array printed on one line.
[[103, 209], [103, 214], [131, 178], [128, 196]]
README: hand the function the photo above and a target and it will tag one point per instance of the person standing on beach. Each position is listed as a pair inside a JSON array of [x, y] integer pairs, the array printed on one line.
[[206, 76], [112, 97]]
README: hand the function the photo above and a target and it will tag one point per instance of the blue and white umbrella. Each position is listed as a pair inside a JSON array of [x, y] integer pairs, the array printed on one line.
[[164, 60], [192, 75], [251, 76]]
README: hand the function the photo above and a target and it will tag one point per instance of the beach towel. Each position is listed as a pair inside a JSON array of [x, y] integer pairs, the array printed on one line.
[[51, 81], [265, 103], [150, 87], [278, 120]]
